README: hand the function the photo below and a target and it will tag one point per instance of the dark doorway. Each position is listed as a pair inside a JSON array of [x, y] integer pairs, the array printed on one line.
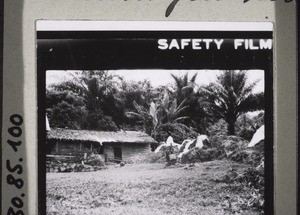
[[118, 153]]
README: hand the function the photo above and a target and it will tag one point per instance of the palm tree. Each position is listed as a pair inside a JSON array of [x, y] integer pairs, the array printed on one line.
[[230, 96], [198, 117], [100, 91], [184, 86]]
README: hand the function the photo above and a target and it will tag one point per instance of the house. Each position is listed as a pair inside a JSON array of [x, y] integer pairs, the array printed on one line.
[[115, 146]]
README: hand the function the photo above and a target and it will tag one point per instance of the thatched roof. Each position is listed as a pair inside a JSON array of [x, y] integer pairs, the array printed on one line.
[[99, 136]]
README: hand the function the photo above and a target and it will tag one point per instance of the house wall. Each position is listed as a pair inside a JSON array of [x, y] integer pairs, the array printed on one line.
[[67, 148], [128, 149], [79, 148]]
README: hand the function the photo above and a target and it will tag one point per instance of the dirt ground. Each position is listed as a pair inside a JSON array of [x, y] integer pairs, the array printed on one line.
[[149, 189]]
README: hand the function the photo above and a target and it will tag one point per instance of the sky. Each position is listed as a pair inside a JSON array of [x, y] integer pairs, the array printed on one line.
[[163, 77]]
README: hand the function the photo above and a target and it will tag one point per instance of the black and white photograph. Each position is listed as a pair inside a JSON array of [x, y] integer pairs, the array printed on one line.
[[157, 118]]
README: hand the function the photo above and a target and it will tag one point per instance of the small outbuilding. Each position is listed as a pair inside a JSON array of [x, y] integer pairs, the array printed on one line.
[[114, 146]]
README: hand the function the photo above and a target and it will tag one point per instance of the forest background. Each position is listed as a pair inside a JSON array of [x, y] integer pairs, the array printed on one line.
[[181, 107]]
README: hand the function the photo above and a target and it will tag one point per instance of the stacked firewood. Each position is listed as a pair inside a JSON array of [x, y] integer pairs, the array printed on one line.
[[91, 163]]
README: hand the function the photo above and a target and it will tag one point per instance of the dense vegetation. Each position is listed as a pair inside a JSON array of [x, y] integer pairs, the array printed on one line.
[[100, 100]]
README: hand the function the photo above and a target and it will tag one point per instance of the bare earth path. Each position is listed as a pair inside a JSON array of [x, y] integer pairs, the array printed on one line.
[[147, 189]]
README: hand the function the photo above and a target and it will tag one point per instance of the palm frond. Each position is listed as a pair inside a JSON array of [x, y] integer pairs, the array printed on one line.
[[173, 107], [193, 79], [181, 118], [140, 109], [133, 114]]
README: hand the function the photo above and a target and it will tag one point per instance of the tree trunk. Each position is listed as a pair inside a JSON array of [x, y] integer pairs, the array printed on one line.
[[231, 126]]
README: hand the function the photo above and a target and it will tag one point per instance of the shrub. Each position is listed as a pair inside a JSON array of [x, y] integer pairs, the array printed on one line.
[[178, 131], [247, 126]]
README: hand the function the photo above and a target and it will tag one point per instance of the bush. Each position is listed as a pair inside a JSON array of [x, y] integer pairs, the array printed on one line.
[[252, 156], [218, 129], [203, 155], [178, 131], [247, 126], [233, 144]]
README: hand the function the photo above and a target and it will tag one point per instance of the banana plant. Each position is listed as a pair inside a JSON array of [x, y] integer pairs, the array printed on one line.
[[144, 116], [159, 114]]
